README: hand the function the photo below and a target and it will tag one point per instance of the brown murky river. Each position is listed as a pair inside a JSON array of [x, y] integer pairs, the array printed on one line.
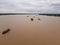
[[40, 30]]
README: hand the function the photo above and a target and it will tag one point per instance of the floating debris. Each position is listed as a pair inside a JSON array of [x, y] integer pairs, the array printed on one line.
[[32, 19], [38, 18], [27, 16], [6, 31]]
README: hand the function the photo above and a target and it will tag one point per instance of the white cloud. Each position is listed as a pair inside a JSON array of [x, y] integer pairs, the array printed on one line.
[[42, 6]]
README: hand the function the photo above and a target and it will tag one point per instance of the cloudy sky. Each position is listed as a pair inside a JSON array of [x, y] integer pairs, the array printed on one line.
[[30, 6]]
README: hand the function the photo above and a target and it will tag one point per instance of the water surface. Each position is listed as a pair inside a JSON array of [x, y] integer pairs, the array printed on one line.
[[45, 31]]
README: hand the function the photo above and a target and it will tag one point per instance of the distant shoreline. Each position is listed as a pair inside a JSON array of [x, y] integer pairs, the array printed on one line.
[[29, 14]]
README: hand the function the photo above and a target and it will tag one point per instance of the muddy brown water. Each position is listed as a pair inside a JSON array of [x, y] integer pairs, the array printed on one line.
[[23, 31]]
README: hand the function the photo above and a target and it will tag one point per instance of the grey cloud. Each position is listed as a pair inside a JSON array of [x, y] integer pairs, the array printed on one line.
[[37, 6]]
